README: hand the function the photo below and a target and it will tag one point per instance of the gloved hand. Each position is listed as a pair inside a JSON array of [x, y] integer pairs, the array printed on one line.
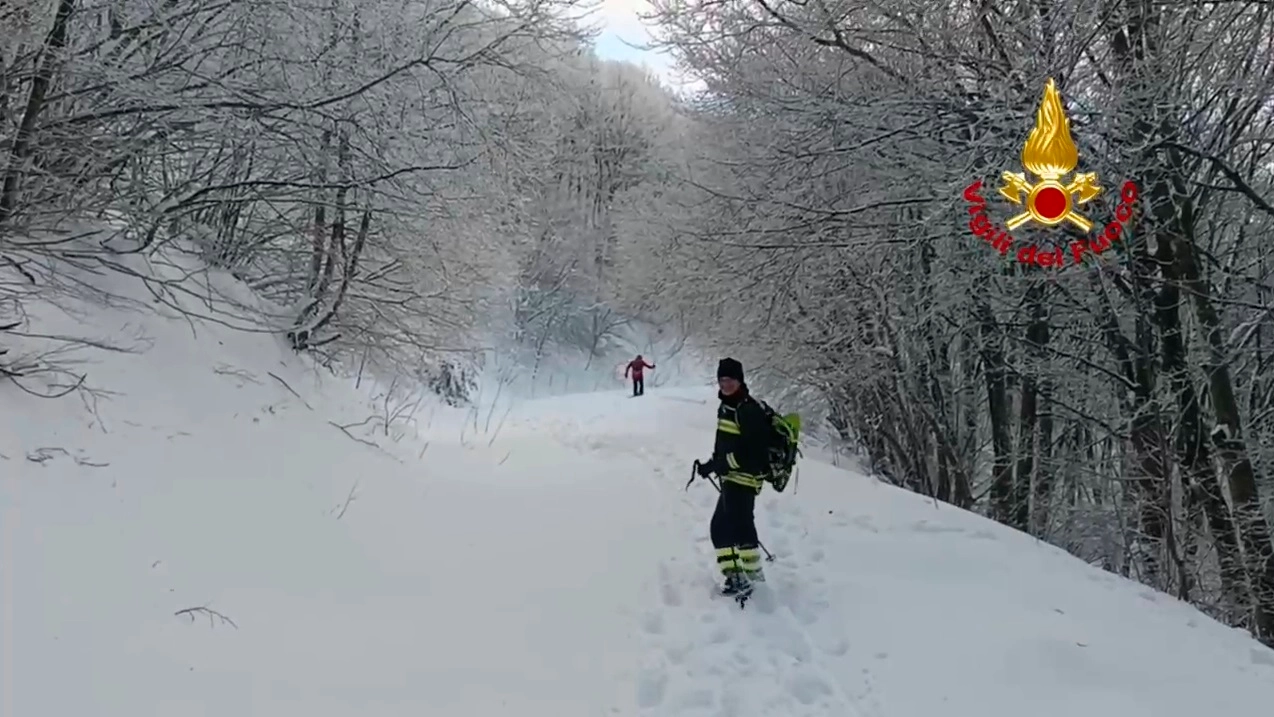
[[706, 468]]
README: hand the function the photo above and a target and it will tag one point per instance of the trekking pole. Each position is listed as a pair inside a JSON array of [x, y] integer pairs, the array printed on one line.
[[694, 471]]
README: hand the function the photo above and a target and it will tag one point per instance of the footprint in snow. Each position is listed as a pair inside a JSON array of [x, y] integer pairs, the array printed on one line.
[[807, 688], [653, 623], [651, 687]]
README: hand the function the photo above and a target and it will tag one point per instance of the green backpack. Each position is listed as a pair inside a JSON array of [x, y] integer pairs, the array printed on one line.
[[784, 445]]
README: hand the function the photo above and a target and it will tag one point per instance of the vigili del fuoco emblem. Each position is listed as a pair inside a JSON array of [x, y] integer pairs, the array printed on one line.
[[1050, 154]]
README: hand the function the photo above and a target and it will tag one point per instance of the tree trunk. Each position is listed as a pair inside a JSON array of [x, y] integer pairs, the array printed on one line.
[[333, 254], [350, 270], [319, 230], [995, 370], [1254, 531], [21, 151], [1028, 469], [1202, 497]]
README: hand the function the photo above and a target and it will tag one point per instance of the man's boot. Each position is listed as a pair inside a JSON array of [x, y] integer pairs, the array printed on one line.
[[736, 586]]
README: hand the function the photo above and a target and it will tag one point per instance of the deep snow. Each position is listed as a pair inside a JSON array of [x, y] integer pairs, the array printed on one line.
[[548, 563]]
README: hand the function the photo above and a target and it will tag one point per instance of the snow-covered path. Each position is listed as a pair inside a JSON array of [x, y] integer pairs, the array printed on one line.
[[703, 654], [511, 594]]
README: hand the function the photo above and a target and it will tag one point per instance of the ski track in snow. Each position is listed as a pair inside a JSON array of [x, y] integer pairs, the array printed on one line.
[[706, 656]]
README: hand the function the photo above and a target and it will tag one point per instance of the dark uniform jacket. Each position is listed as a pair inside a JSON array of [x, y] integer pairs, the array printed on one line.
[[739, 454]]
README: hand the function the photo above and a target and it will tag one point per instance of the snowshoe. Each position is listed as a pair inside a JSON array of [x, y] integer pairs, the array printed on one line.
[[737, 587], [731, 587]]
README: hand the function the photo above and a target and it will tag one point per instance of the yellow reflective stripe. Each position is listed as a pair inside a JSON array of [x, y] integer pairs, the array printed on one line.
[[725, 425], [730, 461], [742, 479], [728, 560]]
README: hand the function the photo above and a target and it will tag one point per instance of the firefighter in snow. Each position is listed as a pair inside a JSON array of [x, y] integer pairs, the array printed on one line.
[[740, 458]]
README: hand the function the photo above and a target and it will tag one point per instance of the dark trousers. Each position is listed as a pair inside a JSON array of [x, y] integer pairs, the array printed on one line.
[[639, 385], [733, 531]]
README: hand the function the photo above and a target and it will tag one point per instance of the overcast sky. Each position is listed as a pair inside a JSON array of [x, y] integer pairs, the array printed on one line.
[[621, 28]]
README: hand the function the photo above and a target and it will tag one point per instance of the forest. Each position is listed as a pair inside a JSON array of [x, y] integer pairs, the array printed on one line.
[[400, 181]]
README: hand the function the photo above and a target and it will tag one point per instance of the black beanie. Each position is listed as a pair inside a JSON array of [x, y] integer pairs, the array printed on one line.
[[729, 368]]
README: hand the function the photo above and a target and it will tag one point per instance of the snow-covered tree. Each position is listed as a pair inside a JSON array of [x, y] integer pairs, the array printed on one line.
[[387, 175], [1119, 408]]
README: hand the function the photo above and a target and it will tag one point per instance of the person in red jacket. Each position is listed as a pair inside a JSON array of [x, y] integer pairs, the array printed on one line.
[[635, 367]]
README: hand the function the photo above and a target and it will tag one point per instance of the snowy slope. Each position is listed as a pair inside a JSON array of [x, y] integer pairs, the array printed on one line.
[[550, 564]]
